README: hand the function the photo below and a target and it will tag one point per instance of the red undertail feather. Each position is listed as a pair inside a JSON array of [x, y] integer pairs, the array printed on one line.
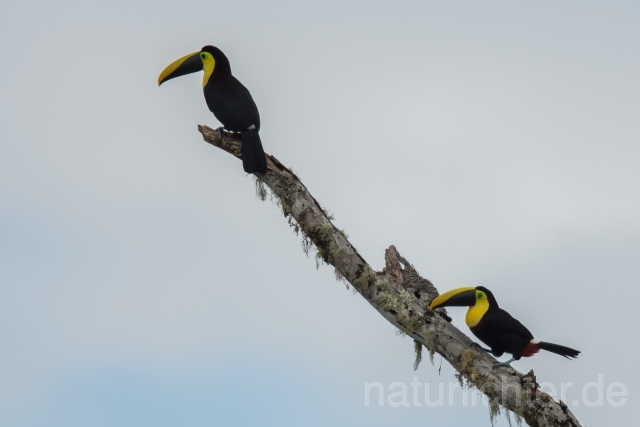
[[530, 350]]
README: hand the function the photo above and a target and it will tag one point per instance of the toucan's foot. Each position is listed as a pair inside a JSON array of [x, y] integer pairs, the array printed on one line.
[[507, 363], [478, 346], [221, 132]]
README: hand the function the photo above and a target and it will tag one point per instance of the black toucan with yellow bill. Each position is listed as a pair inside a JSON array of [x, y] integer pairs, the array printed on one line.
[[495, 327], [227, 99]]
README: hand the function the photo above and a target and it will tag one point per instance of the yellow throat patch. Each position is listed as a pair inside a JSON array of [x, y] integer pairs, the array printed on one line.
[[475, 312], [208, 65]]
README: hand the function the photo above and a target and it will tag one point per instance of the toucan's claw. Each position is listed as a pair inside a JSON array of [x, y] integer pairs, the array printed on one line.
[[478, 346], [507, 363], [221, 132]]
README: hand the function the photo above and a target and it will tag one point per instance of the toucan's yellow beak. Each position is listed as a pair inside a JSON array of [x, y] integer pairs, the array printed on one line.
[[186, 65], [455, 297]]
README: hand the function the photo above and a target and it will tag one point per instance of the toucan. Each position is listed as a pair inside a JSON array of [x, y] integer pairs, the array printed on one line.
[[227, 99], [495, 327]]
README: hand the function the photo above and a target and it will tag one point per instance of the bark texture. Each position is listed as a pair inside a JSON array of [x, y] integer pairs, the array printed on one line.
[[402, 297]]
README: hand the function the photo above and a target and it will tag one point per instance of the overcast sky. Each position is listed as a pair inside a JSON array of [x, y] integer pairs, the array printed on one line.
[[142, 283]]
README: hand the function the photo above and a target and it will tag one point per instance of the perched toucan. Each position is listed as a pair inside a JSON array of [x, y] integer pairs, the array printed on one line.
[[495, 327], [227, 99]]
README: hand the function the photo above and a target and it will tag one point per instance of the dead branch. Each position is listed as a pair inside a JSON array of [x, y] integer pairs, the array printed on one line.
[[402, 297]]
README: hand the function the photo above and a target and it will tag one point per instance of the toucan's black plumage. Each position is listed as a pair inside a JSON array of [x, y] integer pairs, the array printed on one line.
[[495, 327], [227, 99]]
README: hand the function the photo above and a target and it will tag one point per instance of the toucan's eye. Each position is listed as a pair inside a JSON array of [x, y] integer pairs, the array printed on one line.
[[479, 294], [203, 56]]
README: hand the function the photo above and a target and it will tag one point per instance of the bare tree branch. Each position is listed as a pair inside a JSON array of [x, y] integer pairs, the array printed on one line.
[[402, 297]]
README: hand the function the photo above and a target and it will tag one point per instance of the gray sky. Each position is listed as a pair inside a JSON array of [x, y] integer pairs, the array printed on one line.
[[143, 284]]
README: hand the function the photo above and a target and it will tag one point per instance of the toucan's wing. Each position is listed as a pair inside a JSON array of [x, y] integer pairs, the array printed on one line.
[[232, 105], [501, 322], [244, 98]]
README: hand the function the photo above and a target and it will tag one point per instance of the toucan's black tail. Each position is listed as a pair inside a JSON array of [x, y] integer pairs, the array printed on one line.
[[567, 352], [253, 158]]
